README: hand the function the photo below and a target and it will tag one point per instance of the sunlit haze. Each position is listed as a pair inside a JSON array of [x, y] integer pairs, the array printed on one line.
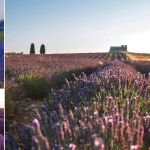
[[72, 26]]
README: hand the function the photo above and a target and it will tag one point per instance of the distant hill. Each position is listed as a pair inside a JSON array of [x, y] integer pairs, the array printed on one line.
[[1, 25]]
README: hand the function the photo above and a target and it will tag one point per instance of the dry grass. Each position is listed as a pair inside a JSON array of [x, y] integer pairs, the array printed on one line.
[[138, 56]]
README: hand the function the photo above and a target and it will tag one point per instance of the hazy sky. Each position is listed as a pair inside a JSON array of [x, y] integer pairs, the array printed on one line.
[[77, 25], [1, 9]]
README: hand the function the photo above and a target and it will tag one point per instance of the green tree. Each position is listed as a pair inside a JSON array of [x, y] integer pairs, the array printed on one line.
[[42, 49], [32, 49]]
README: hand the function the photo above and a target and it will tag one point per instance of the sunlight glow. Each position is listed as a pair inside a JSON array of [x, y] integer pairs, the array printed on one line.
[[2, 98], [140, 40]]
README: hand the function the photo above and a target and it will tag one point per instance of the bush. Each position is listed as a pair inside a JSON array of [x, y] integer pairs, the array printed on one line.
[[9, 104], [8, 73], [58, 79], [35, 87]]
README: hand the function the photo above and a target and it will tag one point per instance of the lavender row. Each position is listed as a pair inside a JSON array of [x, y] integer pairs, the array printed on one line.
[[107, 110]]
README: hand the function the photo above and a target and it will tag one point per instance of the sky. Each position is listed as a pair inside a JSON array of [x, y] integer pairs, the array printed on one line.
[[1, 9], [73, 26]]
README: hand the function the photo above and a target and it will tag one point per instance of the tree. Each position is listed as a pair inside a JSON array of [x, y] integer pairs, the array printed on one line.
[[32, 49], [42, 49]]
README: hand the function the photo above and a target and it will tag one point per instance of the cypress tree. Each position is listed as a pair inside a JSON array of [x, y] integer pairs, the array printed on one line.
[[32, 49], [42, 49]]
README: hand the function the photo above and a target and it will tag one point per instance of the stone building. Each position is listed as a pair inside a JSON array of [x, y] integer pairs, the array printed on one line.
[[122, 48]]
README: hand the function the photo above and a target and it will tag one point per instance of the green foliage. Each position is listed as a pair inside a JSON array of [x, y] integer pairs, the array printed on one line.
[[58, 79], [9, 104], [35, 87], [42, 49], [32, 49], [1, 36], [8, 73]]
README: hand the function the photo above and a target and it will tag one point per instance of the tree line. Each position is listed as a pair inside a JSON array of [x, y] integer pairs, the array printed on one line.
[[32, 49]]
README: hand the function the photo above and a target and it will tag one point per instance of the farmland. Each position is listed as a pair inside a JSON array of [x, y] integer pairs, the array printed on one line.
[[140, 57], [78, 101]]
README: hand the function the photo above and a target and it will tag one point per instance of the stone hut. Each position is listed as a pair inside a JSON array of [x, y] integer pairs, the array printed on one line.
[[122, 48]]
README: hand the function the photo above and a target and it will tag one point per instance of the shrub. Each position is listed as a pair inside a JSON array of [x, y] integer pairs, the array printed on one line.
[[35, 87], [8, 73], [58, 79], [9, 104]]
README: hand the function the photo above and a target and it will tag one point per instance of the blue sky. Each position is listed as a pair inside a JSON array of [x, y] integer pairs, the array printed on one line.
[[1, 9], [77, 25]]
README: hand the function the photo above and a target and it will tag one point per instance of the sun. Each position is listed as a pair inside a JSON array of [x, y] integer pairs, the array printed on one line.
[[139, 42]]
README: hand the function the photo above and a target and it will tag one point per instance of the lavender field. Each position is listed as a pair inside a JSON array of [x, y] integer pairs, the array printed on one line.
[[77, 75], [106, 110]]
